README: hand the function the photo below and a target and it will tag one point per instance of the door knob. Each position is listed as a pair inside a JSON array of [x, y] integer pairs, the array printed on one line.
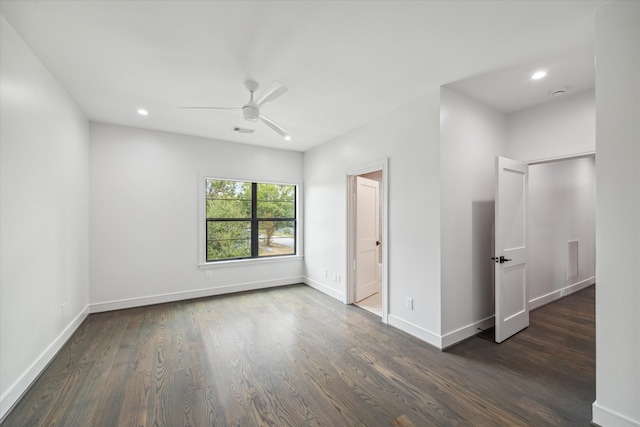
[[378, 243], [501, 260]]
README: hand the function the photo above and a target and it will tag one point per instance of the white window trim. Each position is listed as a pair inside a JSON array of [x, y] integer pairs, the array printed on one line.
[[249, 261], [202, 244]]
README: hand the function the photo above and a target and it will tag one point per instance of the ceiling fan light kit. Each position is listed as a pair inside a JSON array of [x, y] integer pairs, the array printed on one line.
[[251, 113], [251, 110]]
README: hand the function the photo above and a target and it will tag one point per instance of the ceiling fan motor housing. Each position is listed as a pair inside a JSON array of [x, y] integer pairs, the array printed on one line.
[[251, 113]]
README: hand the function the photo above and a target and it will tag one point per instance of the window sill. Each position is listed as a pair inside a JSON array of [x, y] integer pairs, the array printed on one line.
[[251, 261]]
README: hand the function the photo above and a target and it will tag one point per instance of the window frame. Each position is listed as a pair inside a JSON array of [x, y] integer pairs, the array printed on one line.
[[255, 257]]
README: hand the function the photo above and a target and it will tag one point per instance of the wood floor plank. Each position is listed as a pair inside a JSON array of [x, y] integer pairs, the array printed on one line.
[[292, 356], [99, 374]]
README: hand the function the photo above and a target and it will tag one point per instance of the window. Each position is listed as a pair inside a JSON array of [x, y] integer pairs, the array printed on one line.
[[249, 219]]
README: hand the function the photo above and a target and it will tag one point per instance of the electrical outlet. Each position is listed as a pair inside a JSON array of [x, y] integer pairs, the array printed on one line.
[[207, 274], [62, 309], [337, 278], [326, 273], [408, 302]]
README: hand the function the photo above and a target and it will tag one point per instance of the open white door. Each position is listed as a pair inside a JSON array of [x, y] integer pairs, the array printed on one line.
[[512, 307], [367, 237]]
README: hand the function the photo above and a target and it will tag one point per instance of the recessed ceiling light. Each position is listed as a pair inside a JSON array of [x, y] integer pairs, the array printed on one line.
[[143, 112], [538, 75], [287, 137]]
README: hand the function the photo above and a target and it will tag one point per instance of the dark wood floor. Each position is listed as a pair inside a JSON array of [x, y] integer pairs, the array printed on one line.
[[292, 356]]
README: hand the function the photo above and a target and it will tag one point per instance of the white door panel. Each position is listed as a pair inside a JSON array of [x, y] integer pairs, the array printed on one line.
[[367, 237], [512, 308]]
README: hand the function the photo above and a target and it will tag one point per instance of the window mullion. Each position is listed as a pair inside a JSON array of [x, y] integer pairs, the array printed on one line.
[[254, 220]]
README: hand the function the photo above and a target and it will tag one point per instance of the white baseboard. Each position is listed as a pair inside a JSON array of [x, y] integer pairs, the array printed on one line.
[[22, 384], [466, 332], [607, 418], [560, 293], [199, 293], [325, 289], [416, 331]]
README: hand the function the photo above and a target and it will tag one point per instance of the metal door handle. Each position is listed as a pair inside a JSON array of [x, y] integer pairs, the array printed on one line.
[[378, 243], [501, 260]]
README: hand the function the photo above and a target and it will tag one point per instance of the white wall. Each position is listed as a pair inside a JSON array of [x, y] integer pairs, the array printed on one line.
[[618, 214], [562, 207], [409, 138], [556, 129], [145, 198], [472, 135], [44, 158]]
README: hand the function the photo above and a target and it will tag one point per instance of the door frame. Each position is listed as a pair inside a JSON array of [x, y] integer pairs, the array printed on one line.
[[350, 286]]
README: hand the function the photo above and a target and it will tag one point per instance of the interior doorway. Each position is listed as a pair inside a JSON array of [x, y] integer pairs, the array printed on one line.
[[367, 252], [560, 243]]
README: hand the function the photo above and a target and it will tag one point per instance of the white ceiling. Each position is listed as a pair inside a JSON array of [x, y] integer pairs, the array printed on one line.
[[511, 89], [344, 62]]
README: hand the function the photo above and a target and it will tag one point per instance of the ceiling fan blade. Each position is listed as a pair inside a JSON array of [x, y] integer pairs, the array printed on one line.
[[275, 126], [274, 91], [210, 108]]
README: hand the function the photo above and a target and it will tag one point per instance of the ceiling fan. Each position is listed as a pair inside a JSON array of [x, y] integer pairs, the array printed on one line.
[[251, 110]]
